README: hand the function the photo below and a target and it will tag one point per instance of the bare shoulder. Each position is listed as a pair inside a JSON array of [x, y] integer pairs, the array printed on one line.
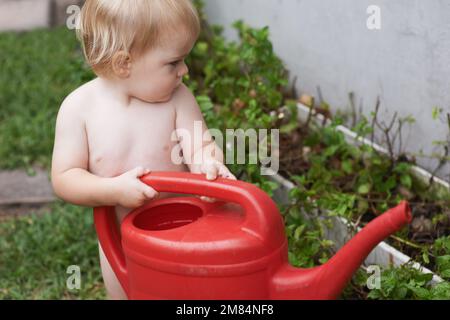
[[183, 97], [71, 146], [75, 104], [187, 109]]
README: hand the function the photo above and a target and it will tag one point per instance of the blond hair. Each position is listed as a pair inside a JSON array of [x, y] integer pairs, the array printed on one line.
[[133, 26]]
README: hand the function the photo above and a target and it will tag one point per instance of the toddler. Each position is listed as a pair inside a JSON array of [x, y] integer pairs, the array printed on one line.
[[120, 126]]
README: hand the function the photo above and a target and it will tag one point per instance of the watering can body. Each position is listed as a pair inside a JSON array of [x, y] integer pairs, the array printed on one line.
[[235, 248]]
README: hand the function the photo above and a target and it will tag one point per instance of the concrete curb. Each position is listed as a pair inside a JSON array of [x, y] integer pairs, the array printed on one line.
[[17, 187]]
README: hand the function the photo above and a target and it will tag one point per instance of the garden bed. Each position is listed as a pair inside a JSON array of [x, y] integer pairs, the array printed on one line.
[[387, 253], [343, 230]]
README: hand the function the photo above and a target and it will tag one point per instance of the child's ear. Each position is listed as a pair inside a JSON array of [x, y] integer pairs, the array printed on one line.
[[121, 64]]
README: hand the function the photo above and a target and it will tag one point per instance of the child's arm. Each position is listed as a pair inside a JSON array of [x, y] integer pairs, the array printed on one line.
[[202, 155], [71, 179]]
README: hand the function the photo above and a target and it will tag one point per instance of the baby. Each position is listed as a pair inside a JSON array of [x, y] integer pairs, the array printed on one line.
[[119, 126]]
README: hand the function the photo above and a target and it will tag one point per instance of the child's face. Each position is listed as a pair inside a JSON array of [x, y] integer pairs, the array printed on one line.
[[157, 73]]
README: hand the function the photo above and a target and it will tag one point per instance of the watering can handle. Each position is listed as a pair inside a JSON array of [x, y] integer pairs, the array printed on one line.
[[261, 213], [110, 241]]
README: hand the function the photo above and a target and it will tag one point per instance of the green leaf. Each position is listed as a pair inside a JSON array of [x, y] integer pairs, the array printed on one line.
[[425, 257], [420, 292], [389, 184], [406, 181], [300, 180], [202, 47], [363, 206], [445, 273], [402, 168], [295, 193], [364, 188], [288, 128], [327, 243], [299, 231], [347, 166], [294, 212], [400, 293], [330, 151], [323, 260], [436, 112]]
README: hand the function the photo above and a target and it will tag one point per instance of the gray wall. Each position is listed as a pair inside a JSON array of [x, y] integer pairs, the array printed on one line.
[[326, 43], [22, 15]]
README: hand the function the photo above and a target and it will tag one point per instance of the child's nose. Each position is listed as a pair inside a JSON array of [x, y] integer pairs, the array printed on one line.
[[184, 70]]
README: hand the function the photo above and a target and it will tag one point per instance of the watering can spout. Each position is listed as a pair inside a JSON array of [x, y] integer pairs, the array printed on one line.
[[328, 281]]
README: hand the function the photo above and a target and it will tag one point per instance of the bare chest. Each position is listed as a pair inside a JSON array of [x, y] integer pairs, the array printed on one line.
[[121, 139]]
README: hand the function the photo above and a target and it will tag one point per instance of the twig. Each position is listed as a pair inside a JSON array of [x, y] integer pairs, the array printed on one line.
[[448, 123], [387, 133], [400, 129], [374, 120], [294, 89], [442, 162], [408, 243], [351, 97], [448, 120], [310, 116], [358, 221], [319, 94], [442, 159]]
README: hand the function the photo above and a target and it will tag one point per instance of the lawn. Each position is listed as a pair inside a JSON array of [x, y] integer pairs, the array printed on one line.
[[38, 69], [37, 250]]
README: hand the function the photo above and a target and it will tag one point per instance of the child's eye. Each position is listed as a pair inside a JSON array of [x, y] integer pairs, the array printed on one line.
[[174, 64]]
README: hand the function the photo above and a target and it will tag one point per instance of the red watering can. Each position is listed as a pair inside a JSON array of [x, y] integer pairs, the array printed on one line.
[[184, 248]]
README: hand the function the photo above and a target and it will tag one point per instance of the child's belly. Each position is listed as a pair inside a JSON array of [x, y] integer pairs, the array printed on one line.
[[112, 161], [108, 169], [122, 141]]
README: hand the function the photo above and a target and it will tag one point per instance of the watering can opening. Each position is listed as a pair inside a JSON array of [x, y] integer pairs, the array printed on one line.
[[167, 216]]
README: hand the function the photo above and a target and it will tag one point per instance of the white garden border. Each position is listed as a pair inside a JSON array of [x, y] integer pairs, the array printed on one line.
[[383, 254]]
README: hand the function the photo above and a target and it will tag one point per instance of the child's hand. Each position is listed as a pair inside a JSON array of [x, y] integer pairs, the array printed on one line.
[[213, 169], [131, 192]]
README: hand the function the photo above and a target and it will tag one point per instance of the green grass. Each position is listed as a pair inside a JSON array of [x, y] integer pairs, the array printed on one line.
[[35, 252], [38, 70]]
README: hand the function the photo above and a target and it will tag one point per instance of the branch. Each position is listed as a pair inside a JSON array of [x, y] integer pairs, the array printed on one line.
[[374, 119], [351, 97]]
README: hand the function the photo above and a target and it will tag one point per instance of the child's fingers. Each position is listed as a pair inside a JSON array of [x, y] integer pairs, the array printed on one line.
[[226, 173], [150, 193], [211, 172], [140, 171]]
